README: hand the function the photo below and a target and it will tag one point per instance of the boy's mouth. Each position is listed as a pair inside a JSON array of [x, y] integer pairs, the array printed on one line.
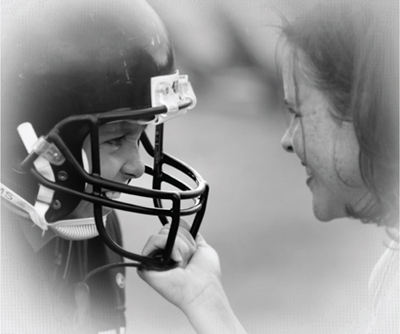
[[112, 194]]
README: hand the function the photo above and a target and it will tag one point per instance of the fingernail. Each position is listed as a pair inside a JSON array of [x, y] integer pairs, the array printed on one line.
[[178, 257]]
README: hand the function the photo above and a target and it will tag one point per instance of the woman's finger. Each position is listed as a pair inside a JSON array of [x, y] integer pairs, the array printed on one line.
[[181, 252], [183, 233]]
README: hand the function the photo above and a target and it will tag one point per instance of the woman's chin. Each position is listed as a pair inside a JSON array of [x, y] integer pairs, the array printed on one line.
[[326, 213]]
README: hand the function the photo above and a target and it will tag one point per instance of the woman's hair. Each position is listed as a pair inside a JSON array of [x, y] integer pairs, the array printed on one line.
[[352, 56]]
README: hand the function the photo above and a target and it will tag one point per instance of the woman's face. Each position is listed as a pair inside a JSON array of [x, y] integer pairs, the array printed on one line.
[[326, 146]]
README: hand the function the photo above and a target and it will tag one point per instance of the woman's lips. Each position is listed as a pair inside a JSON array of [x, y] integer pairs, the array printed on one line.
[[309, 173]]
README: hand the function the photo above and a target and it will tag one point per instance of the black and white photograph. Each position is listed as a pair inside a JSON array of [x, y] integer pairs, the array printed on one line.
[[200, 167]]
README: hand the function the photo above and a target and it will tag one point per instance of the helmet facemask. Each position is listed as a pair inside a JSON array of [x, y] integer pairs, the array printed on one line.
[[61, 148]]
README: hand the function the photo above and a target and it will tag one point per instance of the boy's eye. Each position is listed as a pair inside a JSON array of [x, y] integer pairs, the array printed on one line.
[[114, 141]]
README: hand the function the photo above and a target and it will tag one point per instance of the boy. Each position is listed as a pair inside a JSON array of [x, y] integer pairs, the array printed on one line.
[[81, 82]]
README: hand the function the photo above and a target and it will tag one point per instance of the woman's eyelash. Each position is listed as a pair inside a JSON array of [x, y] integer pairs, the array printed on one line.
[[294, 113]]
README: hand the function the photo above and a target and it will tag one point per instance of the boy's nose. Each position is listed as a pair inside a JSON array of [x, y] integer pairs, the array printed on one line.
[[134, 166]]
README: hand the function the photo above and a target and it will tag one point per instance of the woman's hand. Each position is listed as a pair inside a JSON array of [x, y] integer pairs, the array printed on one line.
[[184, 246], [198, 270], [195, 285]]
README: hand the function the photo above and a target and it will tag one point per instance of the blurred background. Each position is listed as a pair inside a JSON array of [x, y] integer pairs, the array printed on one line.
[[284, 271]]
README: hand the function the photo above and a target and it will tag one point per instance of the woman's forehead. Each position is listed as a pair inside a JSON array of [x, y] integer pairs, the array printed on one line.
[[288, 80], [296, 75], [289, 77]]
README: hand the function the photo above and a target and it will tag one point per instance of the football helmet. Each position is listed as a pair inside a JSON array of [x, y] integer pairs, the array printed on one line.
[[82, 64]]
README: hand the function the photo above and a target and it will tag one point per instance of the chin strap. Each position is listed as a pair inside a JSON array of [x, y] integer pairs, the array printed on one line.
[[45, 195], [21, 203], [71, 229]]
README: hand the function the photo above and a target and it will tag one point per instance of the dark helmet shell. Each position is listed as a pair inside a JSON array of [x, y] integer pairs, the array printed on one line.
[[74, 57], [77, 57]]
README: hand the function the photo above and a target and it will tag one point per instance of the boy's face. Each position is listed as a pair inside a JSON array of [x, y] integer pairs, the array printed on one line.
[[120, 159]]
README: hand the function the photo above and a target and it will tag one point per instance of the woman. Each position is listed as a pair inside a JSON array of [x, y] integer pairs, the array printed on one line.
[[340, 78]]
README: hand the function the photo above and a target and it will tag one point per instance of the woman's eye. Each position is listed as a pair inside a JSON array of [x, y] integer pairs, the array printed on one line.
[[294, 113]]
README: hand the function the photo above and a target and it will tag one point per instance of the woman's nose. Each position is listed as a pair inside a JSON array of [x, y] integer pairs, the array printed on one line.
[[134, 166], [287, 141]]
